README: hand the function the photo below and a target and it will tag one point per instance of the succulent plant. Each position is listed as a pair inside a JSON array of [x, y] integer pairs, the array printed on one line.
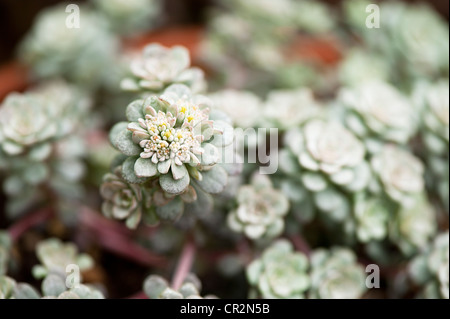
[[7, 286], [433, 101], [48, 112], [265, 9], [53, 287], [359, 66], [82, 55], [414, 225], [312, 16], [242, 107], [378, 111], [280, 273], [328, 152], [430, 269], [249, 43], [156, 287], [131, 16], [175, 137], [55, 256], [335, 274], [400, 174], [123, 200], [260, 210], [159, 67], [421, 37], [41, 142], [413, 42], [287, 109], [371, 215], [176, 148], [5, 247], [26, 122]]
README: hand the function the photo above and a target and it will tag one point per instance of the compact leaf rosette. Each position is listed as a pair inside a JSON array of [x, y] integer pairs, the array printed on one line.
[[173, 145]]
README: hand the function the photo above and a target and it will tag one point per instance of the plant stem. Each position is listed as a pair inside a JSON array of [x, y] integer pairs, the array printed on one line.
[[301, 244], [184, 263], [113, 237], [29, 221], [138, 295]]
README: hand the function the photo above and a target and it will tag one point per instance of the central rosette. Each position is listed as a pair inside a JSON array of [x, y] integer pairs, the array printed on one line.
[[163, 141], [173, 137]]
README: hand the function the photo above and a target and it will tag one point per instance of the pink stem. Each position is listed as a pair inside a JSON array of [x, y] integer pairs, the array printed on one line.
[[138, 295], [29, 221], [301, 245], [184, 264], [114, 238], [245, 251]]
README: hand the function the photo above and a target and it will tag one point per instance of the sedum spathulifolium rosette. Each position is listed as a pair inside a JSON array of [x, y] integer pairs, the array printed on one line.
[[378, 112], [158, 67], [41, 143], [176, 140], [261, 209], [414, 40], [433, 103], [82, 54], [280, 273], [55, 256], [128, 17], [156, 287], [400, 174], [123, 200], [414, 225], [335, 274], [287, 109], [242, 107], [5, 249], [430, 269], [327, 161]]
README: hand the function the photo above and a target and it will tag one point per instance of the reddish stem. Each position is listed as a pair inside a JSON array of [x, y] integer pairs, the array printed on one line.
[[184, 264], [113, 237], [138, 295], [301, 245], [29, 221], [245, 251]]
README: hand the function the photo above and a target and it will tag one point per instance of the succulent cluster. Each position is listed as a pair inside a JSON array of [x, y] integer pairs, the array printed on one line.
[[378, 111], [261, 209], [159, 67], [81, 54], [336, 275], [433, 103], [280, 273], [129, 17], [362, 150], [176, 142], [411, 39], [253, 39], [430, 269], [55, 256], [41, 144], [5, 247], [242, 107], [156, 287], [286, 109]]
